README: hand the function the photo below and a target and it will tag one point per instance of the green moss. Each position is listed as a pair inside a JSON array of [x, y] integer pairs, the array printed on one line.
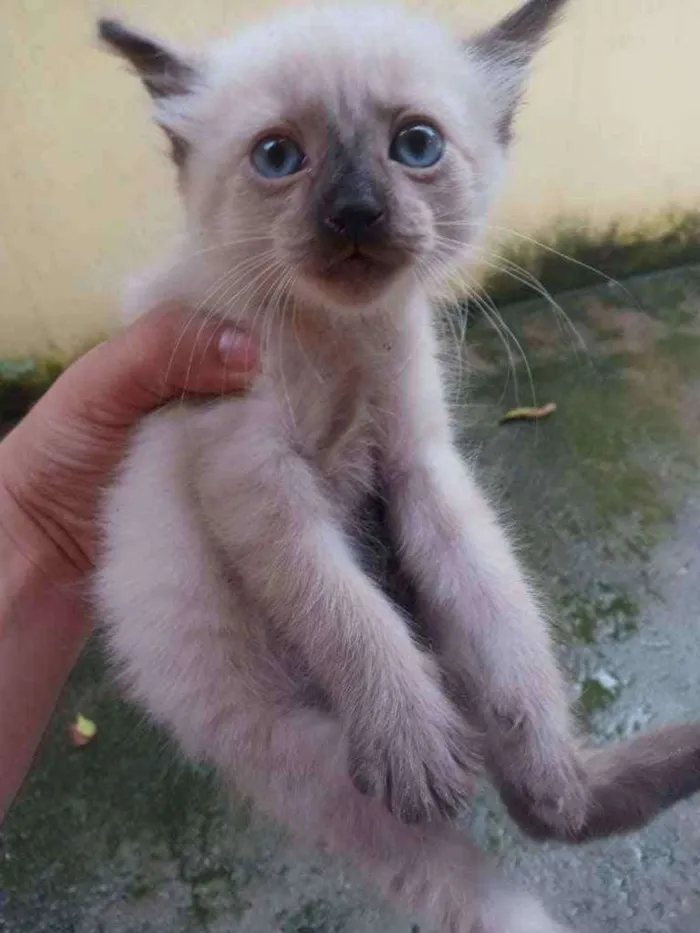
[[315, 916], [574, 257], [96, 803], [587, 468], [604, 614], [608, 472], [126, 813], [215, 892], [601, 431], [597, 694], [22, 383], [683, 349]]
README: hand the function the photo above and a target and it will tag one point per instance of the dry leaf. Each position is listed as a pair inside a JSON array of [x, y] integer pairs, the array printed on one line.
[[529, 414], [82, 731]]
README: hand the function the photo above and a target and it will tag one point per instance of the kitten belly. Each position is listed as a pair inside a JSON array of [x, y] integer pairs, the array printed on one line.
[[370, 532]]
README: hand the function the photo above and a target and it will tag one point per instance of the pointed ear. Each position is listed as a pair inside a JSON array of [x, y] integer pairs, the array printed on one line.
[[506, 51], [164, 72]]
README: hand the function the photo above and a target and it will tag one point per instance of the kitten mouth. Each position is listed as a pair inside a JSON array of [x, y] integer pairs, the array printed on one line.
[[357, 259], [356, 272]]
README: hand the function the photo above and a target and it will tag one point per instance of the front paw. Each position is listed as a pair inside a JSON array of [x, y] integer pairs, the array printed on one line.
[[541, 779], [423, 765]]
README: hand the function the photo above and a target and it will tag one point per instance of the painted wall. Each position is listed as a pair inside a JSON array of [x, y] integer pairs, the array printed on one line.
[[612, 130]]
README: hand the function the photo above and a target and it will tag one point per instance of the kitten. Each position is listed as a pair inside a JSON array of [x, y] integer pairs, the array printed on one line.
[[335, 166]]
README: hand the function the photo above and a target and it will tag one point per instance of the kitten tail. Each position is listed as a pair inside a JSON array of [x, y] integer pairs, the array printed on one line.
[[630, 785]]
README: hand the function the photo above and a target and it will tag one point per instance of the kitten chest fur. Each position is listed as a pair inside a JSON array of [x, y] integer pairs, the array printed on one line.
[[347, 393]]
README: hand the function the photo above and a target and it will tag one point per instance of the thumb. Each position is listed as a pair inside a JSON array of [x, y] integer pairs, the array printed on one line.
[[167, 352]]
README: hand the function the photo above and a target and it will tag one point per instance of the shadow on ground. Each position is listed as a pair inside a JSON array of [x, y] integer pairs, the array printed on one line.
[[121, 838]]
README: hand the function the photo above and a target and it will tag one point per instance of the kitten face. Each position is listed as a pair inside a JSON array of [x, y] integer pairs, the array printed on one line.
[[360, 160], [335, 153]]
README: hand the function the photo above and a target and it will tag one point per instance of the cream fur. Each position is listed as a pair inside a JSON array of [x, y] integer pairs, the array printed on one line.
[[231, 585]]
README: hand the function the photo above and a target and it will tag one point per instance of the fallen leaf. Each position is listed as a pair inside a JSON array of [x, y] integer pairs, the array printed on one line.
[[529, 414], [82, 731]]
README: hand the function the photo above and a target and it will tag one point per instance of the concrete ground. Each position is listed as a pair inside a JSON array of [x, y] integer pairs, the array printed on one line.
[[120, 837]]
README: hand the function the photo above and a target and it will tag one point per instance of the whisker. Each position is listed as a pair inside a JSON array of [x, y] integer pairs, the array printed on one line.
[[526, 278], [487, 225], [283, 302], [218, 285], [222, 283], [459, 339], [266, 280], [505, 334], [216, 307], [485, 303], [530, 281], [301, 347]]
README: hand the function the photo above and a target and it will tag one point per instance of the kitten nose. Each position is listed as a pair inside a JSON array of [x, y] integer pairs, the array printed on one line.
[[357, 219]]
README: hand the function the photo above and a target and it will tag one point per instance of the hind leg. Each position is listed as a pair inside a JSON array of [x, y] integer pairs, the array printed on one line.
[[298, 774]]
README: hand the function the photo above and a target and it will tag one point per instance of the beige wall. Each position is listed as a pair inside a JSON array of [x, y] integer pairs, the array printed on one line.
[[612, 130]]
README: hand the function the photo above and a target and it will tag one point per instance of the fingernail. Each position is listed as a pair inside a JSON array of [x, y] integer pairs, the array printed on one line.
[[237, 351]]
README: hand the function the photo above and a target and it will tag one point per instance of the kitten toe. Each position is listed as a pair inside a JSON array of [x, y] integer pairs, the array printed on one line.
[[421, 774]]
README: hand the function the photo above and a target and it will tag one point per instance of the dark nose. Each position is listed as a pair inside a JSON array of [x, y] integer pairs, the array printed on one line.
[[356, 219]]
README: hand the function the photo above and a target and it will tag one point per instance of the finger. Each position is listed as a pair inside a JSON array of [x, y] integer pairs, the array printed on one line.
[[164, 354]]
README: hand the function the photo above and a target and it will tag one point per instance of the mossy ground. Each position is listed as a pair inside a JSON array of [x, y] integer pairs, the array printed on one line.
[[610, 470]]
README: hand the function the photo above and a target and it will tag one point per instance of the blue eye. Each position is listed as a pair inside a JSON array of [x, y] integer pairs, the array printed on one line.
[[417, 146], [277, 157]]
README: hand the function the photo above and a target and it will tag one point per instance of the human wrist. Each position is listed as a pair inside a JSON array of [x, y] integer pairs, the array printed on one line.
[[43, 628], [34, 570], [28, 536]]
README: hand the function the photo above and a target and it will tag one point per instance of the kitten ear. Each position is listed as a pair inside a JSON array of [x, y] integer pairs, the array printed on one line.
[[165, 73], [507, 50]]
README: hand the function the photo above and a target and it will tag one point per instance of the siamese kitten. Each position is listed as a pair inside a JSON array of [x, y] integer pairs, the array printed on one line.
[[335, 166]]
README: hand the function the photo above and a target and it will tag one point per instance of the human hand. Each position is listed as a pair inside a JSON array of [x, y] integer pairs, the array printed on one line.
[[57, 461], [53, 468]]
